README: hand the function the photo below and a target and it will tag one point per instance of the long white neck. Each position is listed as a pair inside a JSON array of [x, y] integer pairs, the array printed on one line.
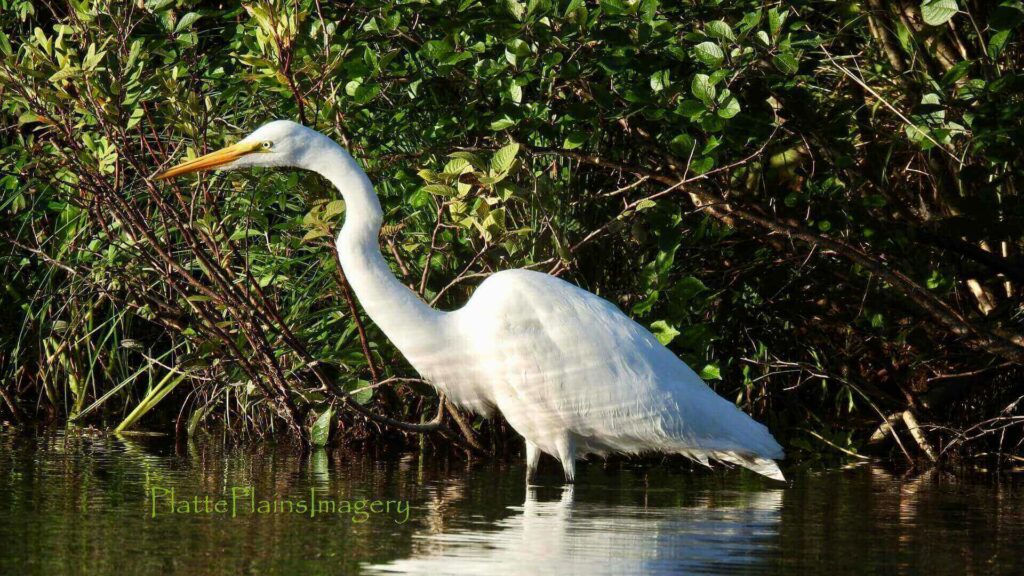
[[408, 321]]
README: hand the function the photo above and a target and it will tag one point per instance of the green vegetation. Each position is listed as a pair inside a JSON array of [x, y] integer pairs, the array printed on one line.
[[815, 204]]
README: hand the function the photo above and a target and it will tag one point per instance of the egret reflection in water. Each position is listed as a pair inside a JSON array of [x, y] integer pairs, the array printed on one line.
[[563, 536], [78, 502]]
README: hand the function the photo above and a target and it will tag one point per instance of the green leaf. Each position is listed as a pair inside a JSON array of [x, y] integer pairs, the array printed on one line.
[[474, 160], [687, 289], [997, 43], [877, 320], [702, 88], [42, 40], [682, 145], [440, 190], [516, 9], [503, 158], [333, 208], [938, 12], [314, 234], [786, 63], [692, 109], [456, 166], [63, 74], [615, 7], [729, 108], [152, 398], [437, 50], [720, 30], [935, 281], [186, 22], [321, 429], [776, 18], [664, 332], [92, 58], [29, 117], [502, 123], [709, 53], [158, 5], [361, 93], [660, 80], [244, 233], [710, 372], [702, 165], [574, 140], [516, 51], [363, 393]]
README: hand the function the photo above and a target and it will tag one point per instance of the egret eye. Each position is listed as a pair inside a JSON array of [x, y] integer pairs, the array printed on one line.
[[267, 145]]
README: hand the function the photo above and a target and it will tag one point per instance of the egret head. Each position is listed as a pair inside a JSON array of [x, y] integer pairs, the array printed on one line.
[[275, 144]]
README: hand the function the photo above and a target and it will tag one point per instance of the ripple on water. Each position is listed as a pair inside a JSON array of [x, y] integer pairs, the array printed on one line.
[[70, 502]]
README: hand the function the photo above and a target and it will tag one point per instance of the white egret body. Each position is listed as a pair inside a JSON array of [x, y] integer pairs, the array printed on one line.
[[568, 370]]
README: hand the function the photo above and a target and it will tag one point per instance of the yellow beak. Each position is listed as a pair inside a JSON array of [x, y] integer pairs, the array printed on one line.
[[211, 160]]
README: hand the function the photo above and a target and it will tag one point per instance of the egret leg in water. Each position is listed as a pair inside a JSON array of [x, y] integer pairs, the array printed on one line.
[[569, 371]]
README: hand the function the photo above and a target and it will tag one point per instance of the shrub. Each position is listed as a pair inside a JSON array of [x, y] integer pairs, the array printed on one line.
[[815, 204]]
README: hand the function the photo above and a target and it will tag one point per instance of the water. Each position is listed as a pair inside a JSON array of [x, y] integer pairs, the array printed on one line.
[[73, 504]]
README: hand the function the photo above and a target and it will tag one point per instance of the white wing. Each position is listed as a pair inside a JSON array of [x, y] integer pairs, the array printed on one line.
[[559, 359]]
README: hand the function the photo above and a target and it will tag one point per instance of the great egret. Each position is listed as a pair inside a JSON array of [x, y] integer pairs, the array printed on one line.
[[569, 371]]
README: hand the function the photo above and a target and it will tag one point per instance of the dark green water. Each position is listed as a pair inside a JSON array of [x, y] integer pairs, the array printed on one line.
[[84, 505]]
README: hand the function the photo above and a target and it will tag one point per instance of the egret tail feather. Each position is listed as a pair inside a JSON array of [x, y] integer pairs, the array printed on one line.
[[762, 466]]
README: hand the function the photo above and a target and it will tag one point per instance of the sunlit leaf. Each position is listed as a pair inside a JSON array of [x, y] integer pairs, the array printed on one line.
[[504, 157], [321, 429], [660, 80], [938, 12], [702, 88], [786, 63], [186, 22], [710, 372], [664, 332], [709, 53], [719, 30]]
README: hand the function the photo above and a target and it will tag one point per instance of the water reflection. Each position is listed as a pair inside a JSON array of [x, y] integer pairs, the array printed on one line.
[[74, 502], [563, 536]]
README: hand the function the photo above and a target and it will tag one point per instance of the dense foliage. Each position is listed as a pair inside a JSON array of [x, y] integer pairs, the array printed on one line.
[[813, 203]]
